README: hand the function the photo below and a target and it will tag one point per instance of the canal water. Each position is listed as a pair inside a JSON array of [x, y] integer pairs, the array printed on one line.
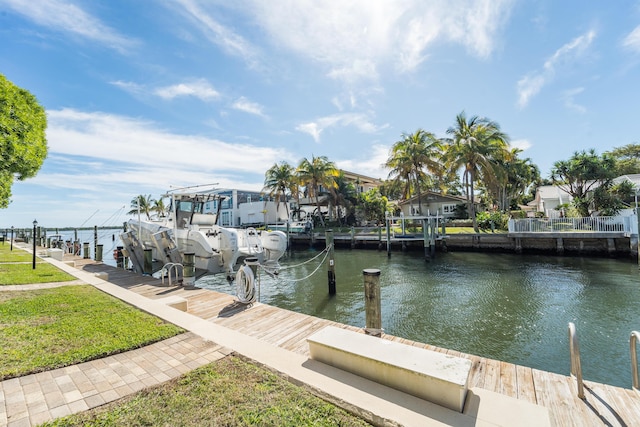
[[514, 308]]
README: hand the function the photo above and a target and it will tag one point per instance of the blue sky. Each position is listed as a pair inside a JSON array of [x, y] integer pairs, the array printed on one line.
[[147, 95]]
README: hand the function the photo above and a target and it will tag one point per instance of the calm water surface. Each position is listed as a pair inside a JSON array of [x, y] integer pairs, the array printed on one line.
[[514, 308]]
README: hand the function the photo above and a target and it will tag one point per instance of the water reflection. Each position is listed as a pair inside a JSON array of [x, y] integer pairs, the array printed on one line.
[[506, 307]]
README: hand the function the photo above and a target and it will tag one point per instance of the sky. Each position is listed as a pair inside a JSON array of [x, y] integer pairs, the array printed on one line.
[[147, 96]]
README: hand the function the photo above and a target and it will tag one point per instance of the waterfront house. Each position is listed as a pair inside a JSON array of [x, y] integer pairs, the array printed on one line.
[[432, 203]]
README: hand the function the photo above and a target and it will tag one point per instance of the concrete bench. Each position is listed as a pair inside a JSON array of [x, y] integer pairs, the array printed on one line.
[[432, 376], [175, 302], [55, 254]]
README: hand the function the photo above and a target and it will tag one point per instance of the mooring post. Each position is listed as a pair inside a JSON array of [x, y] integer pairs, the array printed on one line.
[[379, 237], [288, 237], [372, 302], [99, 249], [147, 265], [85, 250], [119, 257], [388, 221], [425, 238], [189, 270], [331, 272], [95, 242]]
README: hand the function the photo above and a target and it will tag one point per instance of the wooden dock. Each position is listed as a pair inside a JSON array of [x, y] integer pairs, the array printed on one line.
[[604, 404]]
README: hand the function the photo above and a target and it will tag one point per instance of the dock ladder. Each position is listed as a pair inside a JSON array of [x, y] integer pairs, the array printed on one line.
[[169, 267]]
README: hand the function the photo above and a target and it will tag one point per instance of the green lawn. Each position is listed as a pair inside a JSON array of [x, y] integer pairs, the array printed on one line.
[[15, 255], [229, 392], [51, 328], [20, 274]]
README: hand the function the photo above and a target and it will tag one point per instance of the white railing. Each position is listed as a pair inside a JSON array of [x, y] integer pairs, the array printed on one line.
[[600, 224]]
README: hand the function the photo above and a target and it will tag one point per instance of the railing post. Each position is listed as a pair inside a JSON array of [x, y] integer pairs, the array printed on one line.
[[635, 337]]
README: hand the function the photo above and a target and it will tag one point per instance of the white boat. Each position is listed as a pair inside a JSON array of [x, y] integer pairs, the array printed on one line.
[[187, 229]]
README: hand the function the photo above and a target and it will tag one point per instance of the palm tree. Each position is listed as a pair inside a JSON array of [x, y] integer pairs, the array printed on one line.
[[409, 159], [159, 208], [474, 145], [142, 204], [342, 194], [314, 173], [277, 180]]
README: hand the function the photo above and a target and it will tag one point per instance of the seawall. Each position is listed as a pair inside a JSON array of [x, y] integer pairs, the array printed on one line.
[[613, 244]]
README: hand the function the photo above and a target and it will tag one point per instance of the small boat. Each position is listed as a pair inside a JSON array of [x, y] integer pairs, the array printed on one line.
[[189, 229]]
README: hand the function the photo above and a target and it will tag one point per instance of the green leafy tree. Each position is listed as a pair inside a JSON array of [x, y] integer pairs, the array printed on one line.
[[373, 206], [627, 159], [159, 208], [343, 196], [314, 173], [278, 179], [23, 143], [474, 145], [581, 175], [411, 158], [142, 204], [609, 199]]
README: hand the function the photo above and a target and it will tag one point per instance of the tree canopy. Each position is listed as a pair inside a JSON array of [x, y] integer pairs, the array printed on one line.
[[583, 173], [23, 143]]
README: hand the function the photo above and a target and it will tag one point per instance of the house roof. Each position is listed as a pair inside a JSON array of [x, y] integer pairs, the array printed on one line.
[[552, 192], [633, 178], [430, 196]]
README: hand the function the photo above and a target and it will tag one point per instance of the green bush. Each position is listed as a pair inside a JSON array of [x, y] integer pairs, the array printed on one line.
[[519, 214], [492, 220]]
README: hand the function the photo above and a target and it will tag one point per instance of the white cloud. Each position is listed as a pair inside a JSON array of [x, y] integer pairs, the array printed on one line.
[[243, 104], [224, 37], [632, 40], [130, 87], [521, 144], [370, 166], [568, 97], [531, 84], [65, 17], [357, 120], [200, 89], [354, 39], [142, 145]]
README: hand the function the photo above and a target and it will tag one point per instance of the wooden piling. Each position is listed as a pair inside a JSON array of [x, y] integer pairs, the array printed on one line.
[[372, 304], [388, 221], [119, 257], [147, 267], [85, 250], [189, 270], [331, 273], [95, 242], [99, 249]]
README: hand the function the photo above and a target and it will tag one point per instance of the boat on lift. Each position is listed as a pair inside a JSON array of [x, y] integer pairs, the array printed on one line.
[[188, 228]]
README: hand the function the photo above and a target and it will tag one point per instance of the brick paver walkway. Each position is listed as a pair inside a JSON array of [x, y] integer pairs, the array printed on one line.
[[36, 398]]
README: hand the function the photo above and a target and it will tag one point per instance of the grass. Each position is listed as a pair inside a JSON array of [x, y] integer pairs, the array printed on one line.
[[15, 255], [20, 274], [229, 392], [51, 328]]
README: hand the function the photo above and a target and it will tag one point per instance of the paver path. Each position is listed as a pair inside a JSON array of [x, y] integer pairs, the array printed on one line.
[[36, 398]]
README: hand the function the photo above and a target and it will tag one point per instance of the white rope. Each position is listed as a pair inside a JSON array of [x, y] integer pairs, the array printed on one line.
[[314, 271], [309, 260], [245, 287]]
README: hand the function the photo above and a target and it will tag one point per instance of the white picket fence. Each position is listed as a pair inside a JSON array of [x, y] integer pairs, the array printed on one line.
[[599, 224]]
